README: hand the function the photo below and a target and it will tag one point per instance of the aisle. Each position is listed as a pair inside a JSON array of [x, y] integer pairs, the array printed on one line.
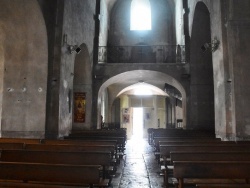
[[140, 168]]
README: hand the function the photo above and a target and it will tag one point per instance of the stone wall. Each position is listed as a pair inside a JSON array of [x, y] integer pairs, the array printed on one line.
[[24, 57], [79, 28]]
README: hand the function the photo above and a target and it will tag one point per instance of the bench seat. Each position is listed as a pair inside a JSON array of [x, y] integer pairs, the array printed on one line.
[[223, 185], [206, 171], [57, 174]]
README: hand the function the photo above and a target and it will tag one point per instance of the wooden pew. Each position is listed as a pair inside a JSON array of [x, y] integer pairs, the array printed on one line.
[[57, 174], [225, 185], [166, 149], [99, 132], [166, 140], [72, 147], [150, 135], [170, 131], [204, 156], [180, 133], [204, 171], [201, 142], [210, 156], [17, 142], [59, 157], [194, 146], [87, 143], [182, 138], [178, 140], [121, 141], [117, 134], [11, 145], [12, 184], [21, 140], [81, 142]]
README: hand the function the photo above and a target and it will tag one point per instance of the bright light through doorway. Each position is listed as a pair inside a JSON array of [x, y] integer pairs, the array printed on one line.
[[143, 89], [140, 18], [137, 123]]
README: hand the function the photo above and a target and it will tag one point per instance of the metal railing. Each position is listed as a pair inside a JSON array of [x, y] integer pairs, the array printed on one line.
[[142, 54]]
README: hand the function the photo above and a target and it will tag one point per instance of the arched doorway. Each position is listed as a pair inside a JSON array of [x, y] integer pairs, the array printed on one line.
[[120, 86], [201, 70]]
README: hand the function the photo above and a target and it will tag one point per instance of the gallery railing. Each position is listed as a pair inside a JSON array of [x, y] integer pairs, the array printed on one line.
[[142, 54]]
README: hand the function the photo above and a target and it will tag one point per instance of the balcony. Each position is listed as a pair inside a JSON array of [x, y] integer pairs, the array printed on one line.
[[142, 54]]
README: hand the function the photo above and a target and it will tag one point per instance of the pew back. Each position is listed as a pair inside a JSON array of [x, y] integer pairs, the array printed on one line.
[[210, 156], [50, 173], [211, 170], [57, 157], [166, 149]]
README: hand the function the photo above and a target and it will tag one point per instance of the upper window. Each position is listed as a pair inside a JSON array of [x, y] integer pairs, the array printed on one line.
[[140, 16]]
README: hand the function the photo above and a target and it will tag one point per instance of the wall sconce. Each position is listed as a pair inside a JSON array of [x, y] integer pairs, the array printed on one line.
[[213, 46], [74, 48], [71, 48]]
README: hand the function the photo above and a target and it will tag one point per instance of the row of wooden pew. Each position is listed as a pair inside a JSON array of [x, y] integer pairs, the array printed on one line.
[[205, 162], [101, 134], [68, 163], [176, 133]]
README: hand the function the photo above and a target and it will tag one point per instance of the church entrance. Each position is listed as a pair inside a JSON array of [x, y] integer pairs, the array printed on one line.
[[137, 123]]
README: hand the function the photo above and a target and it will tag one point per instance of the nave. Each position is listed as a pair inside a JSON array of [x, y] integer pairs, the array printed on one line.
[[167, 158], [139, 168]]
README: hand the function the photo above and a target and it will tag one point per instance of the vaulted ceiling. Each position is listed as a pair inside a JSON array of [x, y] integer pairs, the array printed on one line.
[[110, 4]]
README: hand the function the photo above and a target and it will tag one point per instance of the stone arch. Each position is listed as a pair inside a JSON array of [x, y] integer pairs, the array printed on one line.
[[134, 75], [202, 88], [82, 83]]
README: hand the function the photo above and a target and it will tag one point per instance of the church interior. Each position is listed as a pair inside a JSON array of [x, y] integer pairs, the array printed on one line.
[[106, 88]]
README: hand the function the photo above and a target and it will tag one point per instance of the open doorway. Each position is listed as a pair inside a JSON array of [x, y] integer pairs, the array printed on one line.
[[138, 123]]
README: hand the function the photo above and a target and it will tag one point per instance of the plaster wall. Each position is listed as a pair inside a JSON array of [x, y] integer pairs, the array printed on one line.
[[179, 23], [238, 27], [79, 28], [104, 24], [24, 60]]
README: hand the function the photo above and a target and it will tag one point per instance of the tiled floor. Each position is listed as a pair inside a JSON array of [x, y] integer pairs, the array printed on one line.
[[138, 169]]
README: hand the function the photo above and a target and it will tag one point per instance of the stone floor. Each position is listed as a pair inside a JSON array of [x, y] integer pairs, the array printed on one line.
[[138, 168]]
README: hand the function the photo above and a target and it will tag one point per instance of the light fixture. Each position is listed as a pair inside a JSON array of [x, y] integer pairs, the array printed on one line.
[[213, 46], [74, 48], [71, 48]]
